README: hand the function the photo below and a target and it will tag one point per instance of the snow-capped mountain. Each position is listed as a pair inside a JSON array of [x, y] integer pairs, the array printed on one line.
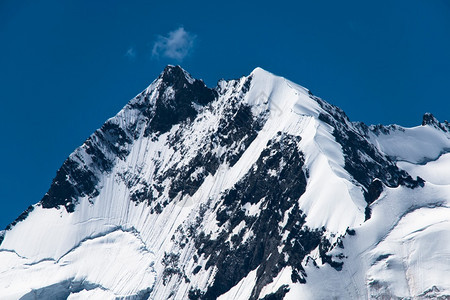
[[255, 189]]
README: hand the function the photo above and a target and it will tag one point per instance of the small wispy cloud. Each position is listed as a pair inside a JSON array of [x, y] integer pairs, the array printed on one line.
[[176, 45], [131, 53]]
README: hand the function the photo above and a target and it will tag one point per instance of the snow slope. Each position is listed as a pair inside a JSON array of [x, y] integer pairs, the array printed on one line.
[[253, 189]]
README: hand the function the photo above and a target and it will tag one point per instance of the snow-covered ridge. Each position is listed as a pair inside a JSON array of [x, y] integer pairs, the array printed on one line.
[[254, 188]]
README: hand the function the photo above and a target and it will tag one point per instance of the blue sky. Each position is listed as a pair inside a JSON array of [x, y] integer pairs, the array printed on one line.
[[67, 66]]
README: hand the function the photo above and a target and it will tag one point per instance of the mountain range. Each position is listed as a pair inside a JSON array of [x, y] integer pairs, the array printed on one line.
[[253, 189]]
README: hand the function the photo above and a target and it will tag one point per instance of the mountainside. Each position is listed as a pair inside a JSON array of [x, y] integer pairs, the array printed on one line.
[[255, 189]]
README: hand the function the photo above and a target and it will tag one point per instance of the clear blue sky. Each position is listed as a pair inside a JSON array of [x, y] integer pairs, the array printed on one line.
[[67, 66]]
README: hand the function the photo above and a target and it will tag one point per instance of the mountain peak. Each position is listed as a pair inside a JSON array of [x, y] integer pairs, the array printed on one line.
[[429, 119], [260, 72], [178, 96], [176, 74], [258, 69]]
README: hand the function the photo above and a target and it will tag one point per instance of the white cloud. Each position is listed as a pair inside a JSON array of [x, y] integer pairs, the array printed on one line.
[[131, 53], [177, 45]]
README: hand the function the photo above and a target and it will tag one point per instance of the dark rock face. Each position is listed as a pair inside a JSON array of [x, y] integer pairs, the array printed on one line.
[[236, 129], [177, 106], [185, 181], [324, 247], [235, 255], [429, 119], [373, 191], [63, 191], [363, 161], [238, 126], [279, 294], [20, 218], [79, 176]]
